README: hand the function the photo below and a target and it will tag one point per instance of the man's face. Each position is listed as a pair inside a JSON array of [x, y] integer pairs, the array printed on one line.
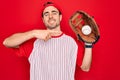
[[51, 17]]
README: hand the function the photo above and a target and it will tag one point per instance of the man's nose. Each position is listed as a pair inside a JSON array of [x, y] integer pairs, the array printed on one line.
[[50, 16]]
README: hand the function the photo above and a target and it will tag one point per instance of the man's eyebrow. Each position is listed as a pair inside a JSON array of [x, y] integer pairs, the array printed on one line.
[[48, 12], [54, 11], [45, 13]]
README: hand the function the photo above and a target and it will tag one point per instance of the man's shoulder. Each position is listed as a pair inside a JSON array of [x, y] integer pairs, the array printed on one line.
[[70, 39]]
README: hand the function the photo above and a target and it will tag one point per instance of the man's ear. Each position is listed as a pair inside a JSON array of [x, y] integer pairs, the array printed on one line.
[[60, 17]]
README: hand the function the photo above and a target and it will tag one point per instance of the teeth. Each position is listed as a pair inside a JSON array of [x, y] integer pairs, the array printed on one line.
[[51, 21]]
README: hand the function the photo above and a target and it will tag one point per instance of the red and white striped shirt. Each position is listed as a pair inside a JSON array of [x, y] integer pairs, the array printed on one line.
[[54, 59]]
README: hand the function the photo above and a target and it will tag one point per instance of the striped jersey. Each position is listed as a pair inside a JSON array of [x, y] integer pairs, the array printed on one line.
[[54, 59]]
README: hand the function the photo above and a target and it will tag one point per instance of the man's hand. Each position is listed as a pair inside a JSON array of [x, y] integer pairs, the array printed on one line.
[[45, 34]]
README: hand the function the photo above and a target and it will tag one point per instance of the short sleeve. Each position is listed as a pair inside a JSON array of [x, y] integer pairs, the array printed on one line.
[[25, 49]]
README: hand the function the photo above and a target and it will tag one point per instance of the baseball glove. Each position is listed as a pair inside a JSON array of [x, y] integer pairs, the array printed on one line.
[[85, 27]]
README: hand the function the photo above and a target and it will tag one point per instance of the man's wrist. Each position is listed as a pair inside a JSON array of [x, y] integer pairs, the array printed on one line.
[[88, 45]]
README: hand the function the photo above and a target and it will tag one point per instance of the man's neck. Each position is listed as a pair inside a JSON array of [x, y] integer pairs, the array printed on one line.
[[56, 29]]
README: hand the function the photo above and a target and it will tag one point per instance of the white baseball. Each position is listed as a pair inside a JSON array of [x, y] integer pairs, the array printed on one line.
[[86, 30]]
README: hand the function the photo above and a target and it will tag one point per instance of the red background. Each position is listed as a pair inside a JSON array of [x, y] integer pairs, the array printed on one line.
[[23, 15]]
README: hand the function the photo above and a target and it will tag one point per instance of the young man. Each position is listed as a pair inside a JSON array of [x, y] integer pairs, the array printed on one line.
[[53, 55]]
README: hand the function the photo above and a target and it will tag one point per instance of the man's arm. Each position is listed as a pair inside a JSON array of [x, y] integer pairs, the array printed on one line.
[[18, 38], [87, 59]]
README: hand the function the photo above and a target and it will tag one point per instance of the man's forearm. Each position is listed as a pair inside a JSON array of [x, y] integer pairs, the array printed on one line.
[[16, 39], [87, 59]]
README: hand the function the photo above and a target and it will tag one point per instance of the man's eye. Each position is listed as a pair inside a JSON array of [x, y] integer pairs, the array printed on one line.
[[46, 14], [54, 13]]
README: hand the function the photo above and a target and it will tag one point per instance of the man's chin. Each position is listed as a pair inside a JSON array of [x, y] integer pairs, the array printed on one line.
[[51, 27]]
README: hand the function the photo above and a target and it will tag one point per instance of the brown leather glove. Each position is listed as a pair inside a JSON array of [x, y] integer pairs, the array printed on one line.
[[85, 27]]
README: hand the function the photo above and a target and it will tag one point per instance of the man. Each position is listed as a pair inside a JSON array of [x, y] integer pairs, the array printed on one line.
[[53, 55]]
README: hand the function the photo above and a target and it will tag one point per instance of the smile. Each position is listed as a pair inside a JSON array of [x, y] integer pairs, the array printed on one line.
[[51, 21]]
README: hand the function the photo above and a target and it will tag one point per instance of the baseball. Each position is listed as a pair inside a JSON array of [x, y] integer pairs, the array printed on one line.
[[86, 30]]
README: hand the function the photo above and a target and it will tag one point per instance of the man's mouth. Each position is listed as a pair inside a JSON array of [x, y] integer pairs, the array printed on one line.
[[51, 21]]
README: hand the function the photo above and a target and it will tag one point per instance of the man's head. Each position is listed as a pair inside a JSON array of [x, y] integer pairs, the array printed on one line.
[[51, 15]]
